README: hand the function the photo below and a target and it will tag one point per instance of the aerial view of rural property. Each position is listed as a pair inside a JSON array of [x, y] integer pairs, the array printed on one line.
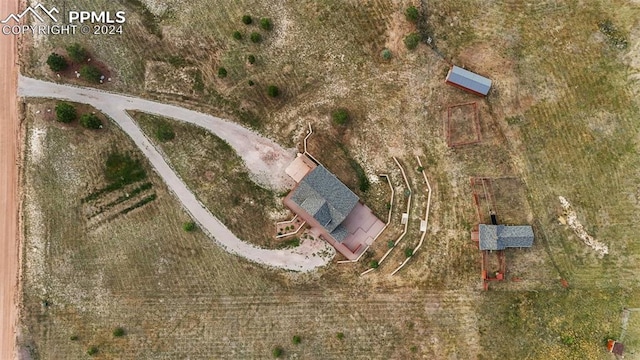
[[320, 179]]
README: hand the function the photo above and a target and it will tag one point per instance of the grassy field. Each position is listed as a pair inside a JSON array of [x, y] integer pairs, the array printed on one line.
[[561, 120]]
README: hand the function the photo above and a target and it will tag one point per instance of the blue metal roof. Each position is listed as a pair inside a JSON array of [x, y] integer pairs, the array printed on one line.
[[469, 80]]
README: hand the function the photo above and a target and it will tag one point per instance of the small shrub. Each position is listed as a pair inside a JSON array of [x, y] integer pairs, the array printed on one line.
[[90, 121], [251, 83], [266, 24], [65, 112], [56, 62], [77, 53], [411, 41], [568, 340], [118, 332], [164, 131], [391, 244], [246, 19], [412, 14], [273, 91], [222, 73], [414, 348], [408, 252], [237, 35], [90, 73], [296, 339], [255, 37], [189, 226], [386, 54], [277, 351], [373, 264], [340, 335], [73, 337], [92, 350], [251, 59], [340, 117], [420, 169]]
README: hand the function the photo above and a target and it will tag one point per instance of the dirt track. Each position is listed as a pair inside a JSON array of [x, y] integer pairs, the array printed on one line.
[[8, 187]]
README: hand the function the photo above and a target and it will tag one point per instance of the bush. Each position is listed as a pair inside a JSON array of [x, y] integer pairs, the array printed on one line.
[[340, 116], [411, 41], [408, 252], [296, 339], [246, 19], [222, 73], [251, 59], [251, 83], [374, 264], [73, 337], [273, 91], [412, 14], [77, 53], [57, 62], [420, 169], [255, 37], [164, 131], [189, 226], [266, 24], [90, 73], [277, 351], [391, 244], [118, 332], [237, 35], [90, 121], [65, 112], [340, 335], [386, 54], [92, 350]]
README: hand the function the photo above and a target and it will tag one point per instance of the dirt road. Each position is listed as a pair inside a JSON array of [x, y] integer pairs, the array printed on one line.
[[265, 160], [8, 187]]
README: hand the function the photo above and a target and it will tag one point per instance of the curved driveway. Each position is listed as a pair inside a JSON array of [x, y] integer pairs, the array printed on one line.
[[265, 159]]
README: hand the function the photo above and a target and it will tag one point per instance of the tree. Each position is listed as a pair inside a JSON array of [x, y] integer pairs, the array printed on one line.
[[251, 59], [340, 116], [65, 112], [90, 121], [408, 252], [189, 226], [266, 24], [91, 73], [77, 53], [255, 37], [164, 131], [222, 73], [277, 351], [411, 41], [374, 264], [273, 91], [92, 350], [386, 54], [412, 14], [118, 332], [246, 19], [237, 35], [57, 62]]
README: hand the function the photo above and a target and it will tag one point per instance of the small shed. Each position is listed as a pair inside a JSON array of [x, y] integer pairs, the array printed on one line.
[[468, 81]]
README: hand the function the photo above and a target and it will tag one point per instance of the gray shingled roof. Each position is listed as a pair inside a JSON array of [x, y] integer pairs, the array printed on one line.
[[469, 80], [324, 197], [499, 237]]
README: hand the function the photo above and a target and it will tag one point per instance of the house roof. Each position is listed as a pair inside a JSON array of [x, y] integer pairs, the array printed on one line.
[[500, 237], [324, 197], [469, 80]]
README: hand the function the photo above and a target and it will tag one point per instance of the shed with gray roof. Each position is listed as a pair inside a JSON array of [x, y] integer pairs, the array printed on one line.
[[468, 81], [326, 199], [500, 237]]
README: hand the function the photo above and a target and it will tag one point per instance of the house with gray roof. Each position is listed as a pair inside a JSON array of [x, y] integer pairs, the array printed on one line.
[[468, 81], [322, 196], [500, 237]]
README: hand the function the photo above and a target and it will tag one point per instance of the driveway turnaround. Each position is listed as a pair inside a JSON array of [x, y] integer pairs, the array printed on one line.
[[265, 159]]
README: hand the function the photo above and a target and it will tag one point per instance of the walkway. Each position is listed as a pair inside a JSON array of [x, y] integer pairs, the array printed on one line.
[[265, 159]]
